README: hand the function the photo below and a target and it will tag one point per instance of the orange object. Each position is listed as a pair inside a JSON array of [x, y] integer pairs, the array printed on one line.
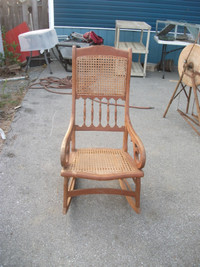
[[12, 36]]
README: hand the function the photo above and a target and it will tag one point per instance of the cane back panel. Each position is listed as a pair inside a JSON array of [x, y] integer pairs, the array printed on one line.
[[101, 76]]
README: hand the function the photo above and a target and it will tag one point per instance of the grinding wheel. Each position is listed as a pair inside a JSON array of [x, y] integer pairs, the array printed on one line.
[[193, 63]]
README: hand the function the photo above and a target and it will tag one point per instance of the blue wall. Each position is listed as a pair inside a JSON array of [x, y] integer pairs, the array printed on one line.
[[103, 13]]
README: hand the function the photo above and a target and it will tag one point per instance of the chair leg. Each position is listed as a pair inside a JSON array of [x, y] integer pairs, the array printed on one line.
[[69, 184], [133, 201], [65, 189], [137, 192]]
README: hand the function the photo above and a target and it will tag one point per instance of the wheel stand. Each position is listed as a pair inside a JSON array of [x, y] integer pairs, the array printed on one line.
[[195, 120]]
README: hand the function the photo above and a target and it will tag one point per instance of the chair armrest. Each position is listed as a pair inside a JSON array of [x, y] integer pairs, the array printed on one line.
[[65, 147], [138, 147]]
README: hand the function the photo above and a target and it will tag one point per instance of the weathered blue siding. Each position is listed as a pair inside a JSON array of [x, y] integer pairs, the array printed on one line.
[[103, 13]]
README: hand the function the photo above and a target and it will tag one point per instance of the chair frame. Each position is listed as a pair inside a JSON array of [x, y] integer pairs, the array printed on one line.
[[68, 144]]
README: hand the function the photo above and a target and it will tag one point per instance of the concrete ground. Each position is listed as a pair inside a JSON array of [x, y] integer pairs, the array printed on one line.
[[100, 230]]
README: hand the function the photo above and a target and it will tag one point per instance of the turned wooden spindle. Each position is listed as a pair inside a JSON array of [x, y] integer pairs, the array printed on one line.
[[92, 112], [108, 112], [84, 112], [116, 112], [100, 112]]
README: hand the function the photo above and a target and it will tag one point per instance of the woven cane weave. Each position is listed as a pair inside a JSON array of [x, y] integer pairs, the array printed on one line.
[[101, 75], [101, 161]]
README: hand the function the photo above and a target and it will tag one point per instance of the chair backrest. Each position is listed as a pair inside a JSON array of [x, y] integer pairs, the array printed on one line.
[[101, 72]]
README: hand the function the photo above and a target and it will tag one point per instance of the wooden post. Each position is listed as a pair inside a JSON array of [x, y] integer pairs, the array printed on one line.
[[1, 42], [35, 14], [6, 17], [45, 20], [25, 12], [13, 8]]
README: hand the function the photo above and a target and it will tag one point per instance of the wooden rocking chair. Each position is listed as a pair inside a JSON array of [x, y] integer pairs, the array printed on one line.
[[101, 72]]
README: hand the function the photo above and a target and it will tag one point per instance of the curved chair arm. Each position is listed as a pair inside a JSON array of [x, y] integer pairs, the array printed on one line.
[[65, 147], [138, 147]]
